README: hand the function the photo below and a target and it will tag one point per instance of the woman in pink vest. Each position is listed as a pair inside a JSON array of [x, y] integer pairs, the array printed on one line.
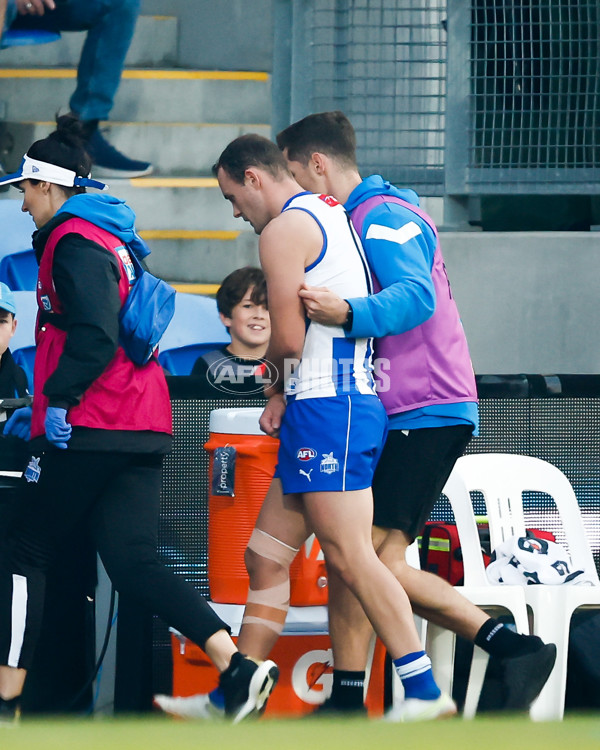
[[99, 429]]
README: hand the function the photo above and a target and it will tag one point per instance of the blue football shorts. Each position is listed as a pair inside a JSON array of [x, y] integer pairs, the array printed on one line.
[[330, 444]]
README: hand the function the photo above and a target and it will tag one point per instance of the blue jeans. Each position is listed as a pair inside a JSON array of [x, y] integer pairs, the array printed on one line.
[[110, 25]]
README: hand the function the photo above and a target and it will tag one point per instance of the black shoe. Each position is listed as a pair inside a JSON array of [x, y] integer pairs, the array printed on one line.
[[246, 686], [327, 708], [108, 162], [524, 676], [10, 711]]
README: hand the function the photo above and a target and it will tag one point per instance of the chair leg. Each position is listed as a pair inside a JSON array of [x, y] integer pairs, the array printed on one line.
[[440, 647], [479, 664], [421, 626], [552, 628]]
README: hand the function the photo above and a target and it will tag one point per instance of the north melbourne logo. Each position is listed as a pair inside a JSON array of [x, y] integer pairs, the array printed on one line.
[[329, 464], [33, 470]]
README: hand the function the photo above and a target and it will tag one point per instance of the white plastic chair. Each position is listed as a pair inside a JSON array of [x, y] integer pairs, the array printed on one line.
[[478, 590], [502, 479]]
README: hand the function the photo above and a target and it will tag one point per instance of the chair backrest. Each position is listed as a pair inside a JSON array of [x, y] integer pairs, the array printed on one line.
[[181, 360], [502, 478], [17, 227], [25, 358], [412, 555], [459, 497], [26, 316], [196, 321], [22, 37], [19, 270]]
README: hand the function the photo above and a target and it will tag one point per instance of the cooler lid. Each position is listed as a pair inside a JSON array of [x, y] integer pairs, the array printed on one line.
[[236, 421]]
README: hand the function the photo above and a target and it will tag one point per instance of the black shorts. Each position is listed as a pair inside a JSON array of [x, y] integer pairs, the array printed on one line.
[[411, 473]]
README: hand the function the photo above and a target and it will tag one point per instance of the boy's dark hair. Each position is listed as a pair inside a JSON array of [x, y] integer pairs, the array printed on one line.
[[250, 150], [330, 133], [65, 147], [234, 287]]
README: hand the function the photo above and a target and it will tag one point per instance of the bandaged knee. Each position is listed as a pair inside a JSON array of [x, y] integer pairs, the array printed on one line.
[[269, 606], [265, 545]]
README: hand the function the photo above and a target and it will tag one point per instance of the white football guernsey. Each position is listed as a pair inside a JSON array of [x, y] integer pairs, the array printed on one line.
[[332, 364]]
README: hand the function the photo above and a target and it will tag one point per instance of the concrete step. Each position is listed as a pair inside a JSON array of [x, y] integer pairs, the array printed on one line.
[[181, 149], [200, 257], [177, 203], [154, 44], [173, 96], [173, 204]]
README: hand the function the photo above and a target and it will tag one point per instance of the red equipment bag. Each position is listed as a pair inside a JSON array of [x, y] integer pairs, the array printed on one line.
[[440, 551]]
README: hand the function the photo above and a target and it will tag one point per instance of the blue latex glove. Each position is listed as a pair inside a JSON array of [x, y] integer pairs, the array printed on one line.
[[58, 431], [19, 423]]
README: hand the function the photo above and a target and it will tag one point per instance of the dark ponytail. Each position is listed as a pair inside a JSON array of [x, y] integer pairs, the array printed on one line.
[[64, 147]]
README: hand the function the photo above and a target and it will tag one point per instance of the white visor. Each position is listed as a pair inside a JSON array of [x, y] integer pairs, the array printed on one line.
[[34, 169]]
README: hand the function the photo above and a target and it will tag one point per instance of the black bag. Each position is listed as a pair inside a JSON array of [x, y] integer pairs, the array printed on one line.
[[583, 666]]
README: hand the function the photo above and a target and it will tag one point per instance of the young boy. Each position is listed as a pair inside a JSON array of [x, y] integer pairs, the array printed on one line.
[[13, 381], [238, 367], [13, 384]]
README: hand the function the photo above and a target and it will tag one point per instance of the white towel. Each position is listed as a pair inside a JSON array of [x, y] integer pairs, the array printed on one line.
[[524, 561]]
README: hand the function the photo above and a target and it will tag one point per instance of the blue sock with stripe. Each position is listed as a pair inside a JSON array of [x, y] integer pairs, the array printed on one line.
[[414, 670]]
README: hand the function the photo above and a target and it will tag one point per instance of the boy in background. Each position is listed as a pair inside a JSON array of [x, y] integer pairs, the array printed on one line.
[[237, 368], [13, 381]]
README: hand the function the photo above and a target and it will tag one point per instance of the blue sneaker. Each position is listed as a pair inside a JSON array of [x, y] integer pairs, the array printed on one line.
[[108, 162]]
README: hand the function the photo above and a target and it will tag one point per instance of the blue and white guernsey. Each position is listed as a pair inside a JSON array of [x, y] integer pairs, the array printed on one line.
[[332, 364]]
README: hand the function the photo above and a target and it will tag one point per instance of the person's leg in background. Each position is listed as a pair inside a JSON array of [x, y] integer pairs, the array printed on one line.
[[125, 527], [10, 13], [61, 487], [110, 25]]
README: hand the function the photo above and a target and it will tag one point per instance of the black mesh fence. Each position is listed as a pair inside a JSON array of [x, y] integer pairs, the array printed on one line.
[[524, 96], [453, 96], [535, 69], [383, 63]]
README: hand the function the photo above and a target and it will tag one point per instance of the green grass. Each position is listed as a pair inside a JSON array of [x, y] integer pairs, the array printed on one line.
[[162, 733]]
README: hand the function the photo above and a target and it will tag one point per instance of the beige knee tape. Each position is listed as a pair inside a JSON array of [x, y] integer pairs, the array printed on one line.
[[268, 607], [268, 546]]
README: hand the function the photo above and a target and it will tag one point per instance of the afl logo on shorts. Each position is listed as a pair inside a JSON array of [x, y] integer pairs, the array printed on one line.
[[306, 454]]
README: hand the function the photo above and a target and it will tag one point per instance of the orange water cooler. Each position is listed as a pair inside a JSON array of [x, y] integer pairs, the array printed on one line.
[[241, 467]]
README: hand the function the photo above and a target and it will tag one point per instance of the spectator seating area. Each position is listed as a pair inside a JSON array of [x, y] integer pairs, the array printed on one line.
[[195, 327]]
